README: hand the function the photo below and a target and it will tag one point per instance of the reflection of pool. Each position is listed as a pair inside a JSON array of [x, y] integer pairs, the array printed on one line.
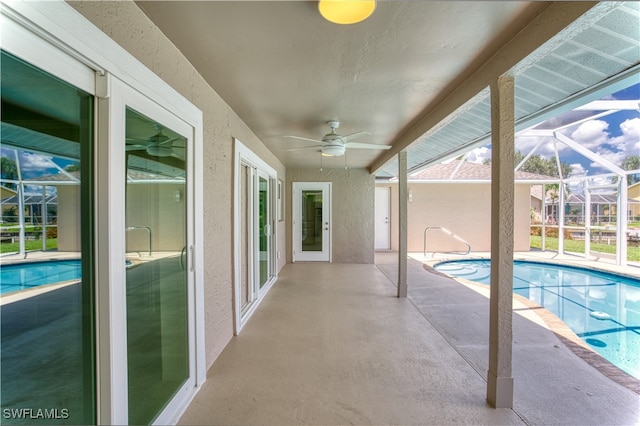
[[602, 308], [23, 276]]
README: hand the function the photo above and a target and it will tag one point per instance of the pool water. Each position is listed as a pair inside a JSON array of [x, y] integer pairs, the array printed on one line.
[[22, 276], [602, 308]]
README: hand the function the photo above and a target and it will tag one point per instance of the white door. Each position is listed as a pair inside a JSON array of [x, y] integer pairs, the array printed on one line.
[[382, 219], [312, 221]]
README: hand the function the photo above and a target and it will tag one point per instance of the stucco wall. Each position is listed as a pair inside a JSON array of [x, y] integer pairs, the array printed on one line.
[[155, 206], [68, 218], [125, 23], [464, 209], [353, 192]]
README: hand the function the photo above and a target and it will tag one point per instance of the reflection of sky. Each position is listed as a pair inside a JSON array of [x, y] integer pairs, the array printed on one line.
[[34, 165], [614, 137]]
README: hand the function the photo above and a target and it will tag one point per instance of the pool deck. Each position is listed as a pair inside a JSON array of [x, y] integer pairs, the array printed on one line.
[[331, 344]]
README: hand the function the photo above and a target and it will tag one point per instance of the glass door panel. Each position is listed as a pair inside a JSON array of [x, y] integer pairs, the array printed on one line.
[[263, 229], [311, 220], [156, 274], [47, 319], [312, 212]]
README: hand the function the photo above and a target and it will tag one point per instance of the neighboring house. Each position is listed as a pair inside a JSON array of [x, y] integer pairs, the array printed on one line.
[[458, 197]]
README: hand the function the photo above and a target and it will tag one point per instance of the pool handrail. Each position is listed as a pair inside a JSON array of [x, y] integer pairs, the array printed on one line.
[[131, 228], [445, 230]]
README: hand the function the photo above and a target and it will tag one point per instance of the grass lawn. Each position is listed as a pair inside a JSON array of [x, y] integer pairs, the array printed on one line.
[[52, 244], [633, 253]]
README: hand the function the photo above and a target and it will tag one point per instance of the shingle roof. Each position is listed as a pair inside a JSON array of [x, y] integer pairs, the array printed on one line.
[[468, 171]]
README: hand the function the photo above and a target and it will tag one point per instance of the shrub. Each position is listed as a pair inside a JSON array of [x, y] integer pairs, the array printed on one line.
[[552, 232]]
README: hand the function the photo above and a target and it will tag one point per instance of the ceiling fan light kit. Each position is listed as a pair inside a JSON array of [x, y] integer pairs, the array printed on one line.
[[346, 11], [333, 150]]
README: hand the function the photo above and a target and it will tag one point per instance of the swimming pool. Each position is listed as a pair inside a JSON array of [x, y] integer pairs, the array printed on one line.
[[22, 276], [602, 308]]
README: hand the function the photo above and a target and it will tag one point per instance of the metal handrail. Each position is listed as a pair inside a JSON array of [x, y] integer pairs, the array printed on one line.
[[428, 228], [131, 228]]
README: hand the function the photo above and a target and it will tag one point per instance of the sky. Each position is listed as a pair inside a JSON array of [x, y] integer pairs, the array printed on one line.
[[614, 137]]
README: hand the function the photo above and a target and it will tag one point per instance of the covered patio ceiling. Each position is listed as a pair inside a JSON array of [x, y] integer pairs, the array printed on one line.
[[590, 60]]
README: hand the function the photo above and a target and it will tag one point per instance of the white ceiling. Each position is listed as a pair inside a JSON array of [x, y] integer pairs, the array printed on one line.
[[414, 75], [286, 71]]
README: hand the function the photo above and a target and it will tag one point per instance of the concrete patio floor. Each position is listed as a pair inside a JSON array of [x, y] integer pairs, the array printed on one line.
[[331, 344]]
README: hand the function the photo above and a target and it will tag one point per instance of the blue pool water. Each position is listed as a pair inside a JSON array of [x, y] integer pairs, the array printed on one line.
[[22, 276], [603, 309]]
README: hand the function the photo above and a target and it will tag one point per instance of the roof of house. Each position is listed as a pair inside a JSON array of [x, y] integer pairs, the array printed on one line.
[[469, 172]]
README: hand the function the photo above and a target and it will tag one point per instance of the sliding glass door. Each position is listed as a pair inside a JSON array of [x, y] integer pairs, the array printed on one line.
[[47, 304], [254, 228], [157, 278]]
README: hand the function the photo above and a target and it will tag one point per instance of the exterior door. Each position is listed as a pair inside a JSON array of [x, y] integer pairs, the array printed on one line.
[[382, 219], [156, 171], [312, 221], [255, 227]]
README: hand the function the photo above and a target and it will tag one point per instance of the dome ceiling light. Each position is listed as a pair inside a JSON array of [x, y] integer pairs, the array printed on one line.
[[346, 11]]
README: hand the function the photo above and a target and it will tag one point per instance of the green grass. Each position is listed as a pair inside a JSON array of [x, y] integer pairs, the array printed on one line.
[[633, 253], [52, 244]]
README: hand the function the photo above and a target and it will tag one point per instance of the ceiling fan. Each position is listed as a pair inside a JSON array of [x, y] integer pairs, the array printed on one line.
[[158, 145], [335, 145]]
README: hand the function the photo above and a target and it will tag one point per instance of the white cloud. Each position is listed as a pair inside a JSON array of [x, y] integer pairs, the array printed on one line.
[[591, 134], [629, 141], [478, 155], [29, 161]]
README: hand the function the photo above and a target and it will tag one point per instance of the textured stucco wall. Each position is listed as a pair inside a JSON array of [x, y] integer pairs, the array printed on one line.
[[464, 209], [68, 218], [353, 192], [125, 23]]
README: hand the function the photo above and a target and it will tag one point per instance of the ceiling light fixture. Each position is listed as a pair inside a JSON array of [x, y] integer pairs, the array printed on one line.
[[333, 150], [346, 11]]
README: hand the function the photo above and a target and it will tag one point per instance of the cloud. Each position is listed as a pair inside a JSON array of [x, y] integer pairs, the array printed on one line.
[[478, 155], [591, 134], [629, 140], [30, 162]]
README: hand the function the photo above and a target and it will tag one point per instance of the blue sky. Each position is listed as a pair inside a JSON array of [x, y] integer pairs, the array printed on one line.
[[614, 137]]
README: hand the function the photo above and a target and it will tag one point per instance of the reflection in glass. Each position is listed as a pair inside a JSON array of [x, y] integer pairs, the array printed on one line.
[[263, 219], [311, 220], [47, 343], [157, 333]]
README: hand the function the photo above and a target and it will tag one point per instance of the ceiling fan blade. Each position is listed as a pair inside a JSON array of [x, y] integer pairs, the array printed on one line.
[[135, 147], [169, 142], [304, 147], [366, 145], [345, 138], [304, 139], [138, 141]]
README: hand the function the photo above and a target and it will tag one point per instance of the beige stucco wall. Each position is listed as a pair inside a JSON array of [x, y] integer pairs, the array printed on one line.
[[125, 23], [353, 192], [155, 206], [464, 209], [68, 218]]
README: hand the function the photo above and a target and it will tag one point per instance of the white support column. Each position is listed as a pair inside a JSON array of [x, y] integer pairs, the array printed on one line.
[[587, 219], [621, 221], [561, 205], [402, 224], [499, 379], [543, 247]]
